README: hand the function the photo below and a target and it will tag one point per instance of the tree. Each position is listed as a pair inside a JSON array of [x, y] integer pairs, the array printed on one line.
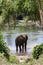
[[11, 9], [8, 12], [27, 8], [0, 7], [41, 12]]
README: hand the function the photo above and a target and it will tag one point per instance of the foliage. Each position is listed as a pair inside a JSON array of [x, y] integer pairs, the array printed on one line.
[[8, 10], [38, 49], [27, 8], [42, 4], [3, 48], [8, 13], [11, 9], [14, 59]]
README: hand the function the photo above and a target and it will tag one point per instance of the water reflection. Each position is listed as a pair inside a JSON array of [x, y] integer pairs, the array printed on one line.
[[9, 39]]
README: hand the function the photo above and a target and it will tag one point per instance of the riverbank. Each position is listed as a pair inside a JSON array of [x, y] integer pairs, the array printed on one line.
[[24, 56], [14, 60]]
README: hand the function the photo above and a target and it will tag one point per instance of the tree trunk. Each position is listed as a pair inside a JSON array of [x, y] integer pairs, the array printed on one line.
[[41, 12]]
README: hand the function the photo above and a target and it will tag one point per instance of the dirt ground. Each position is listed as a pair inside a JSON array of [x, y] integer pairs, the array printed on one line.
[[23, 56]]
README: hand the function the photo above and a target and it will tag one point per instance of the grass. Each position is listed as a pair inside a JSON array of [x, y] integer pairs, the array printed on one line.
[[13, 60]]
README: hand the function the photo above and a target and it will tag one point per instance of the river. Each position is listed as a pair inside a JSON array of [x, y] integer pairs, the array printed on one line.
[[34, 38]]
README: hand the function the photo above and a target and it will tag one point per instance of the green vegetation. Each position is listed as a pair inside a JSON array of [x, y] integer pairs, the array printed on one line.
[[20, 9], [42, 4], [31, 61], [34, 62], [3, 48], [13, 59], [38, 50]]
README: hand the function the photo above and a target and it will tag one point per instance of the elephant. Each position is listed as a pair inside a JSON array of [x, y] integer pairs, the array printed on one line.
[[21, 42]]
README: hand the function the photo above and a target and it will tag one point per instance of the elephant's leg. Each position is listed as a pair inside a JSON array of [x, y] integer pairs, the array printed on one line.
[[16, 49], [20, 49], [23, 48]]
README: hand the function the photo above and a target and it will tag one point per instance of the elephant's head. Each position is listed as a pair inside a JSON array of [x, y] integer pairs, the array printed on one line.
[[24, 36]]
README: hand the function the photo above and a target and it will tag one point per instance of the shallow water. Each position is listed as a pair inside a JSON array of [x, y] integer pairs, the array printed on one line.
[[34, 38]]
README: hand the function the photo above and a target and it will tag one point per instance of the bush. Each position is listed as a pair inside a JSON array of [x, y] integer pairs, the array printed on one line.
[[38, 49], [3, 48]]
